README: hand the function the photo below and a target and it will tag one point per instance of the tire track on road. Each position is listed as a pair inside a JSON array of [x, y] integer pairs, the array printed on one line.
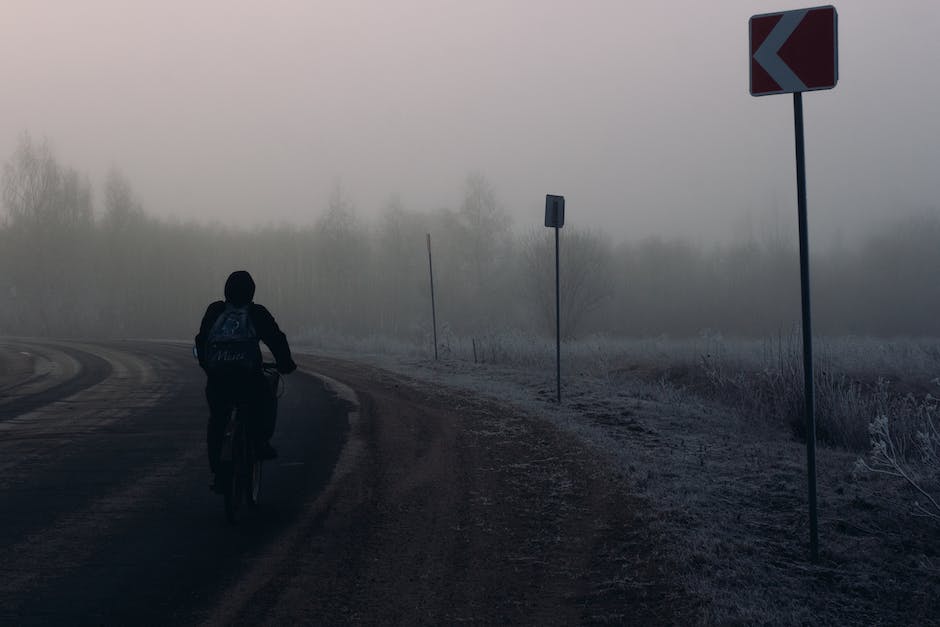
[[73, 538], [112, 385], [38, 448], [92, 369], [112, 523]]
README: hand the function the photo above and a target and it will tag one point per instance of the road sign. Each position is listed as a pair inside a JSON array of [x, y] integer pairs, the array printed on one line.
[[554, 211], [555, 218], [794, 51]]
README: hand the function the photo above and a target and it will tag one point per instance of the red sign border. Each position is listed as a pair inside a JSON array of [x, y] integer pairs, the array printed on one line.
[[835, 52]]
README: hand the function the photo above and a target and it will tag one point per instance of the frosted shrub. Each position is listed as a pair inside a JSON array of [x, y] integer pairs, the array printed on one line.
[[595, 357], [768, 384], [448, 343], [514, 348], [915, 460], [330, 341]]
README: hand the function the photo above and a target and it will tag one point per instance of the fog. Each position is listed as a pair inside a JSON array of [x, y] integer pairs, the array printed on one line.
[[260, 135]]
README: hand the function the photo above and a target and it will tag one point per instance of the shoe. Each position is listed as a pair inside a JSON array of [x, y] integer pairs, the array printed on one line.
[[266, 451]]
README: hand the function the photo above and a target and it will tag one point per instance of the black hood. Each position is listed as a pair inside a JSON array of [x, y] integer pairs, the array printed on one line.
[[239, 288]]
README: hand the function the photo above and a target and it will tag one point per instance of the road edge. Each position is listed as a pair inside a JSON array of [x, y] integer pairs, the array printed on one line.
[[232, 601]]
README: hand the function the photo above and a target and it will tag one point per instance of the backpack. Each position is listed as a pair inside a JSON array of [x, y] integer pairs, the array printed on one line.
[[232, 343]]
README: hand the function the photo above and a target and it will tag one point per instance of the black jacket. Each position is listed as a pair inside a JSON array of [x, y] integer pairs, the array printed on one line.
[[266, 327]]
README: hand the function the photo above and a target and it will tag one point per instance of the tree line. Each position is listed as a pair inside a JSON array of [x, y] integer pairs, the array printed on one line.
[[76, 263]]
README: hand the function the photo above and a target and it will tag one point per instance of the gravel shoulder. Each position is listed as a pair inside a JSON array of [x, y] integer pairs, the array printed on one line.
[[717, 501], [463, 510]]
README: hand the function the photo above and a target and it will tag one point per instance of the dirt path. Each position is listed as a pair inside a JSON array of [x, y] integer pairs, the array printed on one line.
[[458, 511]]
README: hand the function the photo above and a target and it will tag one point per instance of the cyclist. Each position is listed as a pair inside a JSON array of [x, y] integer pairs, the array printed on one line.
[[228, 351]]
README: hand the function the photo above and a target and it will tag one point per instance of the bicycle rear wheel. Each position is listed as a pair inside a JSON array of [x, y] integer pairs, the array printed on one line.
[[254, 492], [237, 480]]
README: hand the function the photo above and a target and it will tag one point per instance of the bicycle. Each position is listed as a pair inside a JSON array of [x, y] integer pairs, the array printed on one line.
[[239, 466]]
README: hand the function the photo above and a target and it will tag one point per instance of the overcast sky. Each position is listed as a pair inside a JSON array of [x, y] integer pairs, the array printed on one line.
[[638, 112]]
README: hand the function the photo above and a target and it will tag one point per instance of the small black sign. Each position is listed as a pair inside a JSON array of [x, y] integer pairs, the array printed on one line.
[[554, 211]]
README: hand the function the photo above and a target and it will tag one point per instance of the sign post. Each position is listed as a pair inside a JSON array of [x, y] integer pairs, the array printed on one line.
[[793, 52], [433, 312], [555, 218]]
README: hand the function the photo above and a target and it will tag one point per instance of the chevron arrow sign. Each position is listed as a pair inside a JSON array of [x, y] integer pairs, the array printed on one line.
[[794, 51]]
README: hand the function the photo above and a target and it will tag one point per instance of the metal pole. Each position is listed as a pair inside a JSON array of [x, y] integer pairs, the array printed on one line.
[[807, 328], [433, 312], [557, 319]]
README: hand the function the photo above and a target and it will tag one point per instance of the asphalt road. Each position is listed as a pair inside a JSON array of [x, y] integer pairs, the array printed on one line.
[[105, 514]]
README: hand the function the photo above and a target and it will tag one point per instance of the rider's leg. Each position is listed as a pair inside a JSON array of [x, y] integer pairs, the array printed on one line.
[[264, 414]]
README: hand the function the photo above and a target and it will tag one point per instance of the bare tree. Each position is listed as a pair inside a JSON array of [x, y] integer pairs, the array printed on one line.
[[398, 267], [340, 255], [487, 225], [121, 207], [38, 192], [121, 264], [586, 273], [49, 210], [30, 181]]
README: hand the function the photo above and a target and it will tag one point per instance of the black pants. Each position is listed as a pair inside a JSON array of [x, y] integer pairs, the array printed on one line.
[[253, 395]]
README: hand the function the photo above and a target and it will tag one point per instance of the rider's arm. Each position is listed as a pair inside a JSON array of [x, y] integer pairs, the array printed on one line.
[[274, 338], [212, 313]]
